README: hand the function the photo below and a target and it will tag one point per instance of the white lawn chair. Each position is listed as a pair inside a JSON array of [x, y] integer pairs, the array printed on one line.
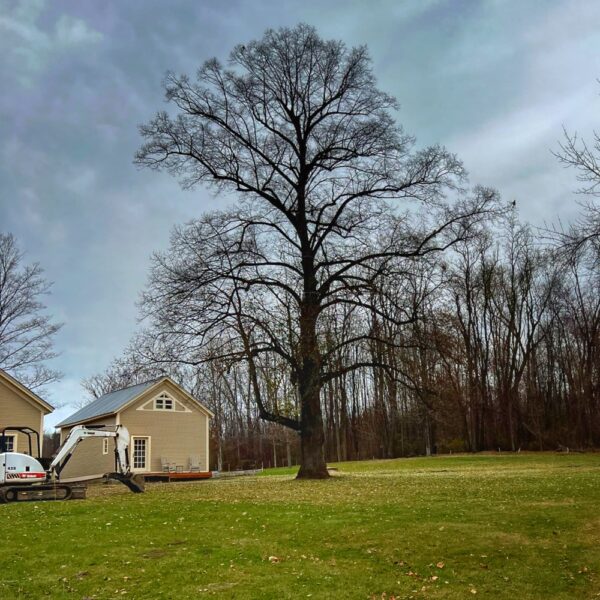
[[194, 464], [167, 467]]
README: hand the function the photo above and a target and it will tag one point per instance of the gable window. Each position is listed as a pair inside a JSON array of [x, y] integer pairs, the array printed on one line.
[[163, 402]]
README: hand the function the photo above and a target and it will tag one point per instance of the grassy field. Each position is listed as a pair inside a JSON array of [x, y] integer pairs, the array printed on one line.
[[513, 526]]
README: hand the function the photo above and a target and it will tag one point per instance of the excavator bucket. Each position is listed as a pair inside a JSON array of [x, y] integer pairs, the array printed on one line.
[[135, 482]]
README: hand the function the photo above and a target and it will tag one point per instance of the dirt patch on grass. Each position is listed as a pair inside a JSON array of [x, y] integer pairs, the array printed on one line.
[[512, 539], [218, 587], [154, 553], [552, 503], [590, 532]]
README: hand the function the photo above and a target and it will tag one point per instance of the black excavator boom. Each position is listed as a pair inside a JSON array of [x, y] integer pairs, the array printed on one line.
[[136, 483]]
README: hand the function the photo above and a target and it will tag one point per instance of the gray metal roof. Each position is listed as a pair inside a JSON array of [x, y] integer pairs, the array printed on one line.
[[108, 404]]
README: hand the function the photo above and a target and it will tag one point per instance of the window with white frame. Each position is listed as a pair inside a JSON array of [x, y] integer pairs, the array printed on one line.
[[105, 446], [141, 453], [164, 402], [10, 443]]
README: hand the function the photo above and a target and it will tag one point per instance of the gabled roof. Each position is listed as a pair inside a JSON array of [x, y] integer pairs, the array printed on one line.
[[29, 394], [107, 404], [112, 403]]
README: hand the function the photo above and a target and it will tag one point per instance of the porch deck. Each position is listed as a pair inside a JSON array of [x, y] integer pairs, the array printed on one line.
[[176, 475]]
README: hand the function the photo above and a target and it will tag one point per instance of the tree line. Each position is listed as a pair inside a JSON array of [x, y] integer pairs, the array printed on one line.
[[495, 347]]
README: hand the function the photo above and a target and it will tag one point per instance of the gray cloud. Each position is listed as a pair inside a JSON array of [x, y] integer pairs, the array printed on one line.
[[29, 47]]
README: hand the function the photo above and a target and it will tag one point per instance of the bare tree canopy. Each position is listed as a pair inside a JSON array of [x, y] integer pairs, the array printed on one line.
[[26, 333], [584, 234], [332, 199], [577, 153], [123, 372]]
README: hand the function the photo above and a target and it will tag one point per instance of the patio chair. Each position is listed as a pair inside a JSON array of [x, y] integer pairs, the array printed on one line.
[[194, 464], [167, 467]]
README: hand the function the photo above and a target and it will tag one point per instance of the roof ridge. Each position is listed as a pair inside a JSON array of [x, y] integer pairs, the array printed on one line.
[[131, 386], [109, 403]]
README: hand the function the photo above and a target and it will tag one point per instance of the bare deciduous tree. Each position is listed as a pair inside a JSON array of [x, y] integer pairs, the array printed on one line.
[[584, 234], [26, 333], [298, 129]]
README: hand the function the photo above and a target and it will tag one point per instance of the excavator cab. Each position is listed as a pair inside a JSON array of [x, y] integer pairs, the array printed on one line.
[[29, 432]]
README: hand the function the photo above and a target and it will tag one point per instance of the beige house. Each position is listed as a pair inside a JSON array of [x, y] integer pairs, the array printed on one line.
[[20, 407], [169, 431]]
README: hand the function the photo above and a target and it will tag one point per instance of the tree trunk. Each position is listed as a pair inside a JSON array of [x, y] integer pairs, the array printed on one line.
[[312, 434], [219, 454], [344, 420], [427, 433], [312, 437]]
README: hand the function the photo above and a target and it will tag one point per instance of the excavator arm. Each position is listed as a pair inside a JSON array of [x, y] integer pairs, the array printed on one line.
[[122, 468]]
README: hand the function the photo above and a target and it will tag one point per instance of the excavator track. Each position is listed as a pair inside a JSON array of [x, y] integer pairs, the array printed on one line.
[[34, 493]]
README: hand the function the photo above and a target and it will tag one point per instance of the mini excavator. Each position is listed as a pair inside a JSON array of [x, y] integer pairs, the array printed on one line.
[[23, 478]]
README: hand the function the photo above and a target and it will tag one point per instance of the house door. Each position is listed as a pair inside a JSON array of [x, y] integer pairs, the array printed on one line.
[[141, 453]]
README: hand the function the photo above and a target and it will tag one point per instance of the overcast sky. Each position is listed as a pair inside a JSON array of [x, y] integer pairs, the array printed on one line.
[[494, 81]]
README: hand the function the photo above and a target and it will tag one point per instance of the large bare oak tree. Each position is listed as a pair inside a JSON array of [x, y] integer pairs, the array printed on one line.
[[331, 197]]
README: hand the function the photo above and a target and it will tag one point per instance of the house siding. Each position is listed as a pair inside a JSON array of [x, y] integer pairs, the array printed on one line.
[[175, 435], [16, 411], [88, 461]]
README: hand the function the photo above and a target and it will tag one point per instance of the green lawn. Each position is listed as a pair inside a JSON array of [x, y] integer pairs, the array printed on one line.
[[511, 526]]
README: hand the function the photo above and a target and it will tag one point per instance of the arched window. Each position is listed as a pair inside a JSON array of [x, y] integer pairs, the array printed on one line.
[[163, 402]]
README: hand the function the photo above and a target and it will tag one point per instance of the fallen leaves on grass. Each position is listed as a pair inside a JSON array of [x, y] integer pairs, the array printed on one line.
[[366, 520]]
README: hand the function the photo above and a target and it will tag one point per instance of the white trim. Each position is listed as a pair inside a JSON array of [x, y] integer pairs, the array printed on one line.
[[40, 449], [196, 403], [150, 405], [207, 446], [165, 402], [148, 453], [15, 441]]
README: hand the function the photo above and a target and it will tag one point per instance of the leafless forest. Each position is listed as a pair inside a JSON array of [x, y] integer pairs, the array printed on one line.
[[495, 346]]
